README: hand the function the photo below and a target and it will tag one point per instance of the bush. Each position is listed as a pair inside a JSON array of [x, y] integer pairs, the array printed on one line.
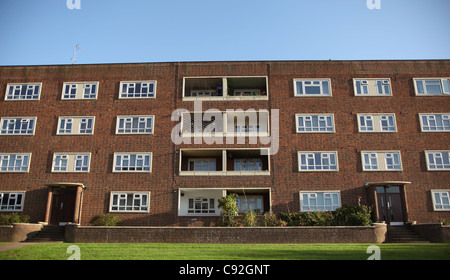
[[345, 216], [9, 219], [271, 220], [106, 220], [249, 219], [229, 210]]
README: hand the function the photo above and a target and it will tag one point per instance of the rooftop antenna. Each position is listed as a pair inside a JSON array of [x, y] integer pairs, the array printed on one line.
[[75, 53]]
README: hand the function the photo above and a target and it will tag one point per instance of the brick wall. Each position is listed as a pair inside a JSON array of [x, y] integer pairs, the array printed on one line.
[[257, 235]]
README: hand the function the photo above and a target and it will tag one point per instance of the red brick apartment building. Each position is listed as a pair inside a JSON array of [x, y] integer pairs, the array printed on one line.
[[81, 140]]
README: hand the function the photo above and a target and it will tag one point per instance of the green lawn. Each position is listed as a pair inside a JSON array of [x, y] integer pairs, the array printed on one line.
[[150, 251]]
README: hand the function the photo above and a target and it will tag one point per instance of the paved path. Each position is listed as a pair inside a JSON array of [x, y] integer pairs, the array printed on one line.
[[15, 245]]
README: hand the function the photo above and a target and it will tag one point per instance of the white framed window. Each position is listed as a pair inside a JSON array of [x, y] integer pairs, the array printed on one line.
[[438, 160], [79, 90], [76, 125], [201, 205], [18, 126], [320, 201], [317, 161], [372, 87], [435, 122], [132, 162], [25, 91], [307, 123], [312, 87], [71, 162], [135, 124], [248, 164], [441, 200], [202, 164], [137, 89], [15, 162], [130, 202], [432, 86], [11, 201], [253, 203], [381, 161], [376, 123]]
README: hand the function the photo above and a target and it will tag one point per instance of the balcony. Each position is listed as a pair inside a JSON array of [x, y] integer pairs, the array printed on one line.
[[219, 162], [225, 88]]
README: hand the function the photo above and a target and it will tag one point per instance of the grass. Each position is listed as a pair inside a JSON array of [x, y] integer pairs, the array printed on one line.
[[156, 251]]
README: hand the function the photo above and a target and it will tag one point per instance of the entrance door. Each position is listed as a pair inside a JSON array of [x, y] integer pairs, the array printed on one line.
[[390, 205], [63, 205]]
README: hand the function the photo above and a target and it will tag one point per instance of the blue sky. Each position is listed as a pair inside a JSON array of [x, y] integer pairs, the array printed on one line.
[[37, 32]]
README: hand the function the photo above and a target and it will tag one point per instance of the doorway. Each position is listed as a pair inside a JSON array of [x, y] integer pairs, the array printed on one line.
[[63, 205], [390, 204]]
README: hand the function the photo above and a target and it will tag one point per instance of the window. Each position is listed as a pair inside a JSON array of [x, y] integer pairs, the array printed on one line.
[[135, 125], [315, 123], [201, 205], [75, 125], [200, 164], [435, 122], [438, 160], [80, 90], [142, 89], [31, 91], [71, 162], [317, 161], [377, 123], [312, 87], [372, 87], [132, 162], [441, 200], [11, 201], [247, 164], [18, 126], [15, 162], [129, 202], [320, 201], [225, 88], [253, 203], [434, 86], [381, 161]]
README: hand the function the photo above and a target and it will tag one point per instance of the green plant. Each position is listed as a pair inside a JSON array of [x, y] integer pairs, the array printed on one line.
[[359, 215], [9, 219], [444, 221], [229, 209], [249, 219], [106, 220], [271, 220]]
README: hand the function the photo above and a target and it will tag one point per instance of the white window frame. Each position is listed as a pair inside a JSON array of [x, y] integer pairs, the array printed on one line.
[[438, 204], [379, 160], [199, 162], [309, 118], [313, 195], [24, 122], [324, 156], [307, 83], [140, 202], [438, 158], [71, 161], [10, 204], [248, 164], [438, 123], [17, 88], [443, 83], [126, 86], [80, 89], [371, 87], [377, 122], [210, 204], [119, 168], [76, 124], [127, 120], [18, 158], [250, 202]]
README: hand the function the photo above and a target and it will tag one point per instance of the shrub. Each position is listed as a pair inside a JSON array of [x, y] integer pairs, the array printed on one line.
[[271, 220], [359, 215], [249, 219], [229, 209], [9, 219], [106, 220]]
